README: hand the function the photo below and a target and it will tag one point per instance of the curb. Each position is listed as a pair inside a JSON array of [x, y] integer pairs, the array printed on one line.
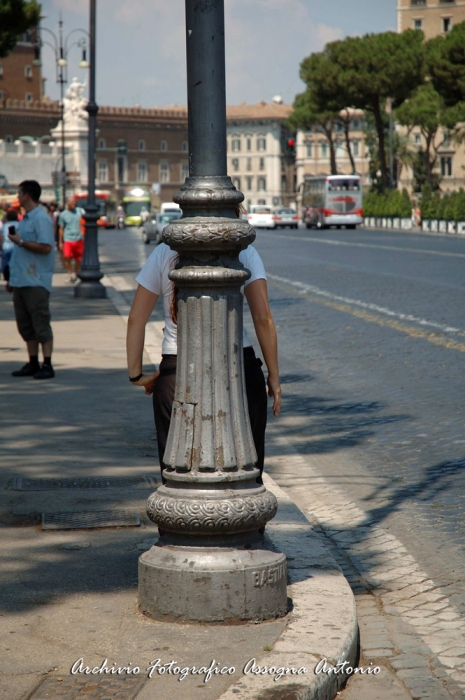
[[322, 624]]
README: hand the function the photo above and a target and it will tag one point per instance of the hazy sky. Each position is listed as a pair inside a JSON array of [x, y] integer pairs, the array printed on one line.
[[141, 45]]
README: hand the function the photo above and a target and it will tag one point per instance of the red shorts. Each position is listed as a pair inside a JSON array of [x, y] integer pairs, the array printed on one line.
[[73, 249]]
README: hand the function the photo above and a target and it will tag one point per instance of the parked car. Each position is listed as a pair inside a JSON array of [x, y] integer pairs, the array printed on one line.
[[286, 217], [261, 216], [153, 228]]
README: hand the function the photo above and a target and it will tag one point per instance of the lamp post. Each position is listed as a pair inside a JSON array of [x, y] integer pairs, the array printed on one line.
[[90, 274], [61, 49], [212, 561]]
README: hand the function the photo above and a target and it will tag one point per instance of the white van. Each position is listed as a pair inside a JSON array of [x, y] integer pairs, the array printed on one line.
[[169, 206]]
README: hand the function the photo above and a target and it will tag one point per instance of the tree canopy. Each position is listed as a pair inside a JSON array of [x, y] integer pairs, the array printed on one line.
[[445, 56], [16, 17]]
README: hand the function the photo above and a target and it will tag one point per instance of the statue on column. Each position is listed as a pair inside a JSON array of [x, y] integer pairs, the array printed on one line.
[[74, 105]]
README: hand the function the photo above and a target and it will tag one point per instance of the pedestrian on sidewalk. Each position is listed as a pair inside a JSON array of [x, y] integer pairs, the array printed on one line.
[[154, 281], [71, 240], [31, 271], [11, 221]]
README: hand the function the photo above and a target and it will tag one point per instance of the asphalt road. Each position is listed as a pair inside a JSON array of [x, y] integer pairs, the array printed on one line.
[[372, 351]]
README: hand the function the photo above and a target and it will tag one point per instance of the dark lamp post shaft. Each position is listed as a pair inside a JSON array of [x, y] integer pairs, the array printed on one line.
[[90, 274], [211, 511]]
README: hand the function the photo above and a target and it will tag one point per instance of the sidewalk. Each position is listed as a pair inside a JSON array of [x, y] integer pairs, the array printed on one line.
[[72, 594]]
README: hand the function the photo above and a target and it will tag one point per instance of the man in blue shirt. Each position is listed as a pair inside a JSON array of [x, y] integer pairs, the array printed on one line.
[[31, 270]]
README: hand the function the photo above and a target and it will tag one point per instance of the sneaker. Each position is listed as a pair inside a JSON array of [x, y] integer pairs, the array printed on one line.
[[27, 371], [69, 280], [73, 279], [45, 372]]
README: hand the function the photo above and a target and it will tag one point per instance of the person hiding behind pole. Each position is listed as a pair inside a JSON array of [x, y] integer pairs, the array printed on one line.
[[154, 282]]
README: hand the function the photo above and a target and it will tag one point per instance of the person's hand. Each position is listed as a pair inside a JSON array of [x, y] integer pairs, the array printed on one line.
[[274, 390], [148, 382], [8, 288], [14, 237], [60, 246]]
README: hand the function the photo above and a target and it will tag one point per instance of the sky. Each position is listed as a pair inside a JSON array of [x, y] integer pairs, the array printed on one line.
[[141, 45]]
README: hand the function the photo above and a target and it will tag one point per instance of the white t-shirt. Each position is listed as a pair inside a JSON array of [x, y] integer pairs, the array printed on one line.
[[154, 277]]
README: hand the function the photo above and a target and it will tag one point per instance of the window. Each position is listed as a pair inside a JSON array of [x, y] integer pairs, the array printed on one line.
[[102, 143], [142, 171], [164, 145], [340, 150], [324, 149], [9, 139], [184, 171], [356, 148], [141, 145], [417, 139], [235, 164], [261, 164], [237, 182], [261, 143], [184, 146], [446, 167], [249, 163], [283, 183], [249, 182], [446, 24], [236, 144], [164, 172], [309, 150], [356, 124], [102, 170], [2, 94], [261, 184], [28, 71], [29, 97], [418, 24], [249, 143], [261, 201]]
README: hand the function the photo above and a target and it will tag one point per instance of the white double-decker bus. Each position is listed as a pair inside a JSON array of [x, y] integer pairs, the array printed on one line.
[[332, 200]]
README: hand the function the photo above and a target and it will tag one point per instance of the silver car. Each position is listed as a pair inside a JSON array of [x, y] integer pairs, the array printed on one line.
[[153, 228], [285, 216]]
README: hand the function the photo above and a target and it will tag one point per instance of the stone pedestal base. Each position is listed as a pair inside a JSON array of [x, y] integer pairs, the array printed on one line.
[[212, 584], [90, 290]]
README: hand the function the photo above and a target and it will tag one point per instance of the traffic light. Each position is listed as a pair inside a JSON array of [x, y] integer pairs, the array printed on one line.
[[290, 146]]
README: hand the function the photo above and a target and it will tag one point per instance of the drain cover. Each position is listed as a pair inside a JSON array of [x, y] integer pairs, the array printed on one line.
[[108, 688], [80, 520], [81, 482]]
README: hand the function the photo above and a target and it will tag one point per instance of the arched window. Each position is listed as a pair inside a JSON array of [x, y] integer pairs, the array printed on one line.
[[164, 145], [103, 171], [142, 171], [261, 143], [236, 143], [261, 184]]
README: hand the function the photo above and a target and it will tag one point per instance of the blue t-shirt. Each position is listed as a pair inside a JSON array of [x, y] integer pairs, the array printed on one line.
[[28, 269], [71, 222]]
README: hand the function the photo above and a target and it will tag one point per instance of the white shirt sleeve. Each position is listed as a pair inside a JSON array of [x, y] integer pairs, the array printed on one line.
[[253, 262], [150, 276]]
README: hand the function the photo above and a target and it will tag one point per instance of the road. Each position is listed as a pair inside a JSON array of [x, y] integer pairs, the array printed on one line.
[[372, 351]]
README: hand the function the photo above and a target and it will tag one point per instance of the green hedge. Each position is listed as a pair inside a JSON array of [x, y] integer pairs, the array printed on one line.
[[393, 203], [450, 207]]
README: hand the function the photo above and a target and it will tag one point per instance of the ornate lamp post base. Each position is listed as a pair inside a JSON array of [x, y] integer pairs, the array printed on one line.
[[213, 584]]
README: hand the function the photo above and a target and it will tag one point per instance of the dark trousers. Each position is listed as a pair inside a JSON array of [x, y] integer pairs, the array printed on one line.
[[163, 396]]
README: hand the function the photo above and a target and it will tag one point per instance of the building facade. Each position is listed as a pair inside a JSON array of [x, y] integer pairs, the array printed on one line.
[[20, 79], [433, 17], [261, 155]]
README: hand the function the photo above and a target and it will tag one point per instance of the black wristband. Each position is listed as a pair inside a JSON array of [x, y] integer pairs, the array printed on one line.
[[136, 379]]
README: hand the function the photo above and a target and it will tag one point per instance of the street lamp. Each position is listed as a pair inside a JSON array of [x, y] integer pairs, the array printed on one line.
[[61, 50], [212, 562], [89, 274]]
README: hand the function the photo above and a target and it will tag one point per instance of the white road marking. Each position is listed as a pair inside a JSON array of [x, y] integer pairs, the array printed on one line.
[[329, 241], [308, 288]]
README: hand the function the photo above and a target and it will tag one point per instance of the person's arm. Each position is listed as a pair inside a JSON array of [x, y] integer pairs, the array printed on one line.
[[142, 306], [61, 230], [40, 248], [256, 294]]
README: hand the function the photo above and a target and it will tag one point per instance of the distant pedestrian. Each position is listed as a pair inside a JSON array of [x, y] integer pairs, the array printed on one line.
[[31, 271], [71, 240], [11, 220]]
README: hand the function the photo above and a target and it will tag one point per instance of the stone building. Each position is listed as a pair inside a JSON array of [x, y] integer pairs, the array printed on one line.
[[433, 17], [20, 79]]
